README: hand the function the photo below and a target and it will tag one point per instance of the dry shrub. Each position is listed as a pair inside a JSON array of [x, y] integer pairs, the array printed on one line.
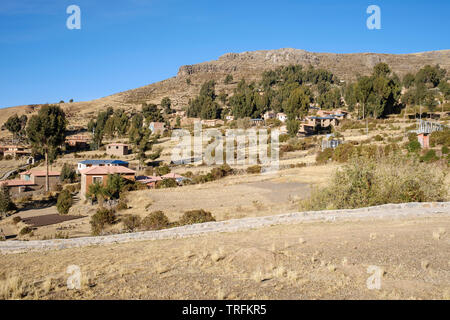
[[196, 216], [156, 220], [131, 222], [254, 169], [101, 219], [367, 181]]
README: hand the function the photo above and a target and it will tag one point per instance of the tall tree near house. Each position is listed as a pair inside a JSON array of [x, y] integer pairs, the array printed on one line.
[[46, 132], [16, 124], [166, 105]]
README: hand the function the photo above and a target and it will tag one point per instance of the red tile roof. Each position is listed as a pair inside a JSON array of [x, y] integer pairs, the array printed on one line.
[[107, 170], [16, 183], [41, 173], [171, 176]]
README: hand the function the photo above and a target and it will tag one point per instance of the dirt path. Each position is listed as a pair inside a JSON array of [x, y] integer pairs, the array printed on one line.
[[396, 211]]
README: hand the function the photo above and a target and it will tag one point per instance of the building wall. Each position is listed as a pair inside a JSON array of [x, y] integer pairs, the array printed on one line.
[[53, 181], [117, 150], [87, 180]]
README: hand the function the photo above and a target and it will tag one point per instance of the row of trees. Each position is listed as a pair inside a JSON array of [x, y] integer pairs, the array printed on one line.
[[291, 89]]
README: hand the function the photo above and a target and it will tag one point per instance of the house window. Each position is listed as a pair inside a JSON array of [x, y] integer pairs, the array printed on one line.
[[97, 180]]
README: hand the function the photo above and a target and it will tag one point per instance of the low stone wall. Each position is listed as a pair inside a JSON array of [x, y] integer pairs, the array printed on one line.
[[380, 212]]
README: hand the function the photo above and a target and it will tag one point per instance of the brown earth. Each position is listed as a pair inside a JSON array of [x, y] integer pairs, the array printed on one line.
[[316, 260]]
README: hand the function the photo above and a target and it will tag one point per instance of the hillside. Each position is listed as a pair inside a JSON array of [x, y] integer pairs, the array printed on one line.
[[248, 65]]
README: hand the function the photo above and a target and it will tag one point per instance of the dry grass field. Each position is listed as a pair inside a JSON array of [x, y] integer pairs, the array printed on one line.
[[319, 260]]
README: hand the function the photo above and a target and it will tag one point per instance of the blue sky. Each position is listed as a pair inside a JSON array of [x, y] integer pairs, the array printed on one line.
[[130, 43]]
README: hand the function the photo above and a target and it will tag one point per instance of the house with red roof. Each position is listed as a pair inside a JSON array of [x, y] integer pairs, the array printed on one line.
[[17, 187], [37, 177], [100, 175]]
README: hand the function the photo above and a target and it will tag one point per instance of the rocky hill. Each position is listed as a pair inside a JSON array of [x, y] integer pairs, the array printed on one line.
[[248, 65]]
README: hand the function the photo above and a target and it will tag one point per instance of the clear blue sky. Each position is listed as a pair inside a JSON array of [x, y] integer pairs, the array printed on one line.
[[130, 43]]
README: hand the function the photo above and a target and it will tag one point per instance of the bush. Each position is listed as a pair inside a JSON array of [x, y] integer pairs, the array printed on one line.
[[445, 150], [441, 138], [101, 219], [430, 156], [378, 138], [25, 230], [162, 170], [131, 222], [166, 183], [64, 202], [156, 220], [413, 146], [254, 169], [366, 182], [17, 219], [324, 156], [343, 152], [196, 216]]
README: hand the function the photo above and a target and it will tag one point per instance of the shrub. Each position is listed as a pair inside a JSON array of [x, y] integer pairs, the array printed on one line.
[[445, 150], [156, 220], [430, 156], [100, 219], [324, 156], [368, 182], [196, 216], [343, 152], [378, 138], [166, 183], [162, 170], [25, 230], [254, 169], [17, 219], [64, 202], [122, 205], [413, 146], [131, 222], [441, 138]]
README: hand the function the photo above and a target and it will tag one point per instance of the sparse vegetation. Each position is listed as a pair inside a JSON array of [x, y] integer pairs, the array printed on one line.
[[156, 220], [196, 216], [366, 181], [102, 218]]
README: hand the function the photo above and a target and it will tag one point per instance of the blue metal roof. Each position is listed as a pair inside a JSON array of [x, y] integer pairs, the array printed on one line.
[[103, 162]]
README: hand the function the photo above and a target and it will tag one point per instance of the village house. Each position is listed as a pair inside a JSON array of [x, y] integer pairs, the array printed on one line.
[[212, 122], [15, 151], [282, 117], [38, 177], [100, 163], [269, 115], [100, 175], [16, 187], [149, 181], [117, 149], [178, 178], [157, 127], [78, 141], [257, 122]]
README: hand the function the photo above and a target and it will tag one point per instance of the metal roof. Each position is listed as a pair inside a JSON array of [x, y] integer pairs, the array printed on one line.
[[103, 162]]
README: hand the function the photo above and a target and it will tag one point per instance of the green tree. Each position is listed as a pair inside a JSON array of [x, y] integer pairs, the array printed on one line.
[[67, 173], [46, 130], [6, 203], [298, 103], [166, 105], [292, 127], [228, 79], [14, 125]]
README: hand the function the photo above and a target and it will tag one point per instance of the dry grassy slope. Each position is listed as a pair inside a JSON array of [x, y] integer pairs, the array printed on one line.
[[248, 65]]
